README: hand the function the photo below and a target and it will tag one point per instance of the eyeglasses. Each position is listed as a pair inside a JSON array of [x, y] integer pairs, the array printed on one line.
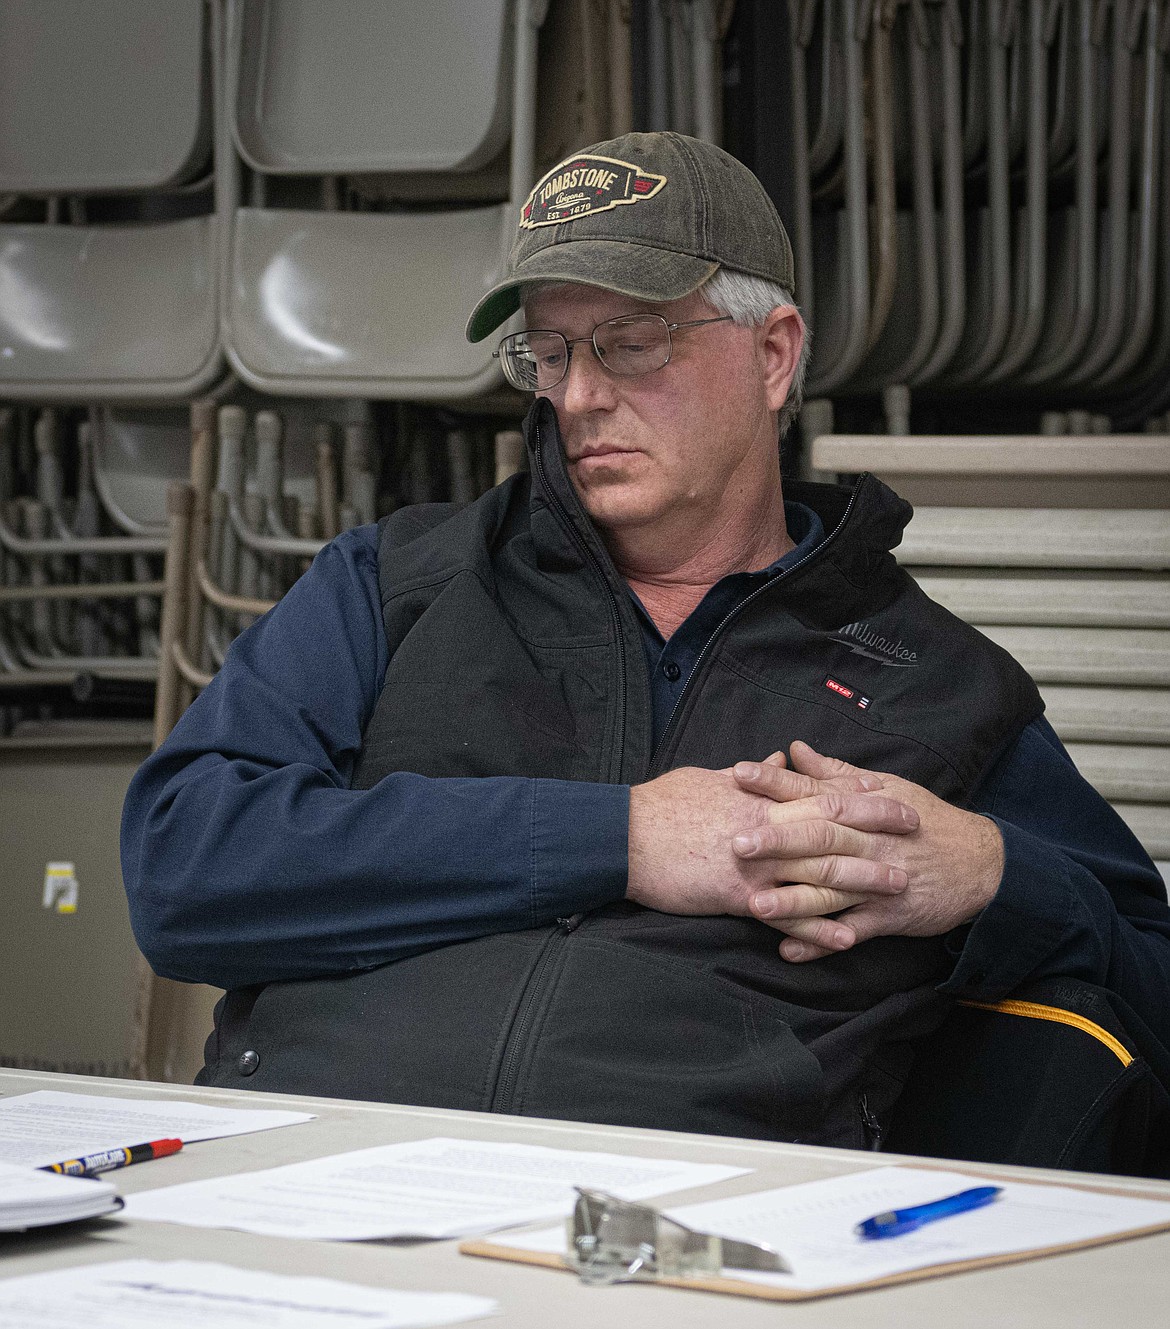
[[536, 360]]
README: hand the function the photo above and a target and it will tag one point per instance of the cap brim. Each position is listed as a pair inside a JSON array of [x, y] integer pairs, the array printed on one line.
[[637, 270]]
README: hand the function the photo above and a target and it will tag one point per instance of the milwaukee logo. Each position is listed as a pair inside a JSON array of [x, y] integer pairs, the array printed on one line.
[[862, 639]]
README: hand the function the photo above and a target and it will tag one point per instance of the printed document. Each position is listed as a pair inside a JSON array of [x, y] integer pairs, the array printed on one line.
[[49, 1125], [812, 1224], [143, 1294], [32, 1199], [423, 1188]]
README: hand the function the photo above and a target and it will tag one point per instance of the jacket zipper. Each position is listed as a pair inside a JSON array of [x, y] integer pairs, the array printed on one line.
[[611, 603], [542, 971], [743, 604], [869, 1123], [534, 988], [539, 977]]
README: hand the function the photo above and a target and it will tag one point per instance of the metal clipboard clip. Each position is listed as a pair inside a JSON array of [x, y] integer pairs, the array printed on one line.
[[619, 1241]]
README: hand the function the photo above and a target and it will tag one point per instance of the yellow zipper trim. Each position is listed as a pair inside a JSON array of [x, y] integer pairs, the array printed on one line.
[[1033, 1010]]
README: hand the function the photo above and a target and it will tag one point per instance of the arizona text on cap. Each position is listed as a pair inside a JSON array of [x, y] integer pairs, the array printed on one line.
[[651, 216]]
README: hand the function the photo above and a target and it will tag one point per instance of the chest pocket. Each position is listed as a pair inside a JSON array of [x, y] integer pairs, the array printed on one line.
[[466, 695]]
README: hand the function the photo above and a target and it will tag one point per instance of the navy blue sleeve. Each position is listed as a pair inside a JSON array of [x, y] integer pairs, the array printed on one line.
[[1079, 896], [248, 858]]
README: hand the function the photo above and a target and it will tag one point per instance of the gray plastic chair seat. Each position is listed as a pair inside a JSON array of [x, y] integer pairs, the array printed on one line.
[[366, 85], [1135, 657], [366, 304], [102, 96], [108, 312], [1037, 538], [137, 454]]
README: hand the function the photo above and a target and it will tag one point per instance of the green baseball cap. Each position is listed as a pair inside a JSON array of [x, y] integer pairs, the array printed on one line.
[[651, 216]]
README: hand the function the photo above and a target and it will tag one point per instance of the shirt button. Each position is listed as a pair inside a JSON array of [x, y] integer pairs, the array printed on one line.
[[672, 671], [248, 1063]]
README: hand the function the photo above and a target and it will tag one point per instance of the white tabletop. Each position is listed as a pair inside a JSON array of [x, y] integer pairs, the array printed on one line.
[[1122, 1284]]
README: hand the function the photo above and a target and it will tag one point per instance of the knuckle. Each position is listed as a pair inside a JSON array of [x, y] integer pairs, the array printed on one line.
[[802, 929], [770, 838], [821, 837], [832, 804], [829, 871], [823, 933], [821, 901]]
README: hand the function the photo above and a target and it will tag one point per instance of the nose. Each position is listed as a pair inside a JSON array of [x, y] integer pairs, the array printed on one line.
[[588, 385]]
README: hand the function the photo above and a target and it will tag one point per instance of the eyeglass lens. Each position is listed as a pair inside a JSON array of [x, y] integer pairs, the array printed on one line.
[[636, 344]]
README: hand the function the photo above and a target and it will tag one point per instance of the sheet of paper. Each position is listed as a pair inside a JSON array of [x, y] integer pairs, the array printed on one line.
[[424, 1188], [48, 1126], [812, 1224], [29, 1198], [143, 1294]]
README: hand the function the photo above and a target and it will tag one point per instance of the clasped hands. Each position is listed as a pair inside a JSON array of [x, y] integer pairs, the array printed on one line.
[[824, 852]]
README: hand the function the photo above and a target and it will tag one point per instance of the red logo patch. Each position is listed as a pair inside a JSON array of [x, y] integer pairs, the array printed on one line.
[[839, 688]]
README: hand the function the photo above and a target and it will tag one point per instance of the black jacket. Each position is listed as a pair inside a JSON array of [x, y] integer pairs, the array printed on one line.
[[515, 650]]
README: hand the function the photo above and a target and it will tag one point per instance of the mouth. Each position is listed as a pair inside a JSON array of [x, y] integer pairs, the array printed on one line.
[[602, 450]]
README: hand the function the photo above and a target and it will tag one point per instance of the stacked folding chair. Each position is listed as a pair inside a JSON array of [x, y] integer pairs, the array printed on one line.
[[108, 234], [984, 214], [355, 255], [983, 201]]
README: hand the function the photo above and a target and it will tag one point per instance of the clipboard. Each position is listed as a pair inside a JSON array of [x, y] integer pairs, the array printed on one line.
[[731, 1285]]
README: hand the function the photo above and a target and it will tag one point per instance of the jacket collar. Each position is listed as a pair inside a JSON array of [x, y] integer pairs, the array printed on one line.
[[863, 522]]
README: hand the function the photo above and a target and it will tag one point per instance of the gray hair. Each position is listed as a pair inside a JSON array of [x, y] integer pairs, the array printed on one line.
[[749, 301]]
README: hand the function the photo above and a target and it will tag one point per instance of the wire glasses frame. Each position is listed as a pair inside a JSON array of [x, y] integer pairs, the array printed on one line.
[[537, 359]]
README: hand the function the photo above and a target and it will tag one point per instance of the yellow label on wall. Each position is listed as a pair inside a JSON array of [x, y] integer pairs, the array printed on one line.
[[61, 888]]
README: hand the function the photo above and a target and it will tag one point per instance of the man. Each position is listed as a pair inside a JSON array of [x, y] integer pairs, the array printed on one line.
[[504, 808]]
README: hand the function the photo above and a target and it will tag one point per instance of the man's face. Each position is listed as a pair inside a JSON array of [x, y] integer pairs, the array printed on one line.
[[687, 442]]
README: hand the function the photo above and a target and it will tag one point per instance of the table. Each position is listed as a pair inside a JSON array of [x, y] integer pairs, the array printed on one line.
[[1119, 1284]]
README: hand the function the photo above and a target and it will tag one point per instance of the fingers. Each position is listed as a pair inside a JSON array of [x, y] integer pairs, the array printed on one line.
[[797, 951], [875, 813], [825, 853], [814, 938], [841, 872], [798, 901], [808, 761], [784, 784]]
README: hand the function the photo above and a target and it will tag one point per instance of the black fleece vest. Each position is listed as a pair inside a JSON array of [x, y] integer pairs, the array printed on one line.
[[515, 651]]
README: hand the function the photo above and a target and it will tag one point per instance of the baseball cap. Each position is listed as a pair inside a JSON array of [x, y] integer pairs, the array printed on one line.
[[652, 216]]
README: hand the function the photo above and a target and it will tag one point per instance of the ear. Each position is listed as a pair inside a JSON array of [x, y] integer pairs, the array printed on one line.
[[781, 337]]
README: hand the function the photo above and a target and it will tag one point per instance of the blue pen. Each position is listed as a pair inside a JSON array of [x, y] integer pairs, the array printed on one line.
[[894, 1222]]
